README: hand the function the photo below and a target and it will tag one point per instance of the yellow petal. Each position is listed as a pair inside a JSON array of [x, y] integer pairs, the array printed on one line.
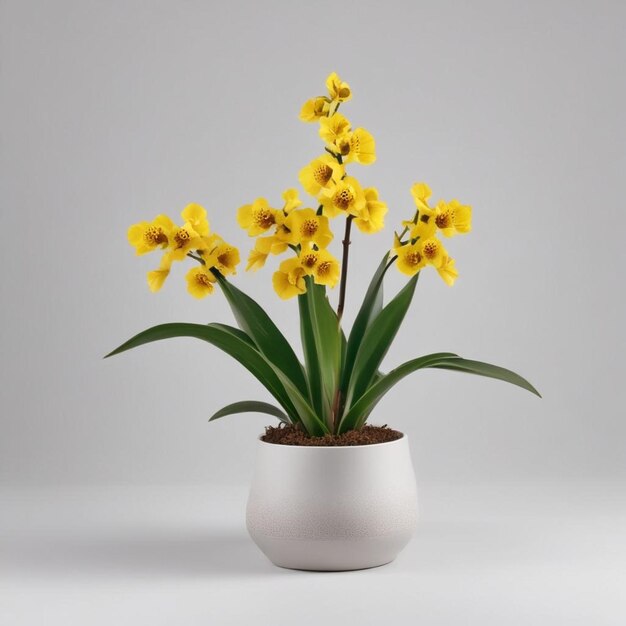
[[448, 271], [156, 278], [292, 200], [256, 260], [333, 128], [372, 218], [362, 147], [196, 216], [421, 192]]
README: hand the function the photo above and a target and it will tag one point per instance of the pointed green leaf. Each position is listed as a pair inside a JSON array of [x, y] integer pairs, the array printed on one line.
[[256, 323], [230, 341], [444, 360], [362, 407], [486, 369], [370, 308], [250, 406], [311, 360], [328, 341], [377, 339]]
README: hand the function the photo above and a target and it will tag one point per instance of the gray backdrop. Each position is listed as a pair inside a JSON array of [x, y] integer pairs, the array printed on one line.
[[119, 502], [116, 111]]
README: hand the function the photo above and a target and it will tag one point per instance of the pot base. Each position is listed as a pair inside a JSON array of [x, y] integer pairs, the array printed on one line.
[[333, 555]]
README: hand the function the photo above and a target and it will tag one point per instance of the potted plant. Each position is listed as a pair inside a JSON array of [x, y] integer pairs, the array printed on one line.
[[329, 491]]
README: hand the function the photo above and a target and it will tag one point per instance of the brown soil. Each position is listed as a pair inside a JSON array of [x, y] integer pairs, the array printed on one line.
[[288, 435]]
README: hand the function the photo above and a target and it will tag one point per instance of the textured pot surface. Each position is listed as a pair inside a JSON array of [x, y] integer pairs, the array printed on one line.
[[332, 508]]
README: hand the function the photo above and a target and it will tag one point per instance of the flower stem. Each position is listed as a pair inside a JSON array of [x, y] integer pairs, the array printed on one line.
[[344, 267]]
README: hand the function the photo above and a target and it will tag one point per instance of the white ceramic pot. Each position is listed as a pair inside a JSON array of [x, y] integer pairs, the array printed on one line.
[[332, 508]]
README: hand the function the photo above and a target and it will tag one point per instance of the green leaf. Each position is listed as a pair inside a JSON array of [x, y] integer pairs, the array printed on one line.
[[327, 340], [376, 341], [486, 369], [236, 332], [250, 406], [255, 322], [370, 308], [310, 420], [311, 360], [363, 406], [230, 341], [444, 360]]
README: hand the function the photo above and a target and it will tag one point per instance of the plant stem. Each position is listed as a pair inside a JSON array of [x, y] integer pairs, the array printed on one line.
[[344, 267]]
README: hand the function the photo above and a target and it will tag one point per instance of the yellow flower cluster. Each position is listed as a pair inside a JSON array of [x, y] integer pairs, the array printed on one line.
[[193, 239], [306, 231], [422, 247]]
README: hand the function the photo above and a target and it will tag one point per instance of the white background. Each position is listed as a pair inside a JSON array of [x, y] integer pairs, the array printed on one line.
[[113, 112]]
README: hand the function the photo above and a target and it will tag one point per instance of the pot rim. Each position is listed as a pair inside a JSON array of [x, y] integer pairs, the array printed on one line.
[[361, 446]]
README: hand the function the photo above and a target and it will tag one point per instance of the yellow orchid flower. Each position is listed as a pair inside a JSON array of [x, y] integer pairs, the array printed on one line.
[[453, 218], [147, 236], [289, 281], [200, 282], [334, 128], [314, 109], [321, 175], [338, 89], [346, 197], [433, 251], [448, 271], [322, 265], [305, 227], [257, 217], [358, 146], [327, 269], [184, 240], [195, 215], [223, 258], [410, 258], [263, 247], [372, 217]]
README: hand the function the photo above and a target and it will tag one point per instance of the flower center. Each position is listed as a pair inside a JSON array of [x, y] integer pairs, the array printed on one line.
[[155, 236], [264, 218], [443, 220], [182, 237], [323, 268], [225, 257], [203, 279], [344, 147], [413, 258], [430, 250], [344, 199], [318, 106], [322, 174], [309, 228], [309, 260]]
